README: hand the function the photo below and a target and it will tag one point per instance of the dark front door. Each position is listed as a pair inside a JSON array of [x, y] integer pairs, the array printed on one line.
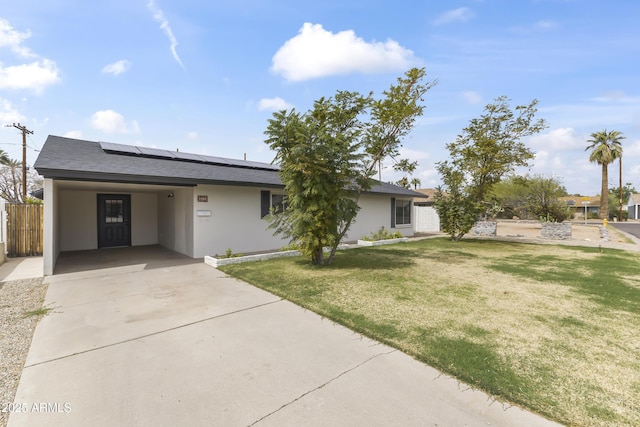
[[114, 220]]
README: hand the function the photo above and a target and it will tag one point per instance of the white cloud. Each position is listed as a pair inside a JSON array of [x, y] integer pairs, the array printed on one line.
[[461, 14], [35, 76], [192, 135], [315, 52], [76, 134], [10, 37], [631, 150], [110, 121], [273, 104], [472, 97], [8, 114], [117, 67], [158, 15], [560, 139]]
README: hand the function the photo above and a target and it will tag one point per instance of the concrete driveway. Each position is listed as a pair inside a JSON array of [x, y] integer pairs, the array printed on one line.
[[178, 343]]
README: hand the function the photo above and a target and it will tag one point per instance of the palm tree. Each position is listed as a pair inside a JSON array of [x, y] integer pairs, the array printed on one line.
[[605, 148], [4, 158], [415, 182]]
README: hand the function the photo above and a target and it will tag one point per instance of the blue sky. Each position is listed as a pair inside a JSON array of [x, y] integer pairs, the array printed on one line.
[[205, 76]]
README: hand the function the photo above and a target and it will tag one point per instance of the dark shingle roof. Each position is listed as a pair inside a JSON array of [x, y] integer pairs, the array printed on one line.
[[75, 159]]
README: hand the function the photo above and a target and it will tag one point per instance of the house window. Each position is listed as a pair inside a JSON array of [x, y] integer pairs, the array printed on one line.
[[403, 212], [278, 203], [114, 211], [269, 201]]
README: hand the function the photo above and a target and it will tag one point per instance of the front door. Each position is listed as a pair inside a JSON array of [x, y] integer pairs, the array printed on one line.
[[114, 220]]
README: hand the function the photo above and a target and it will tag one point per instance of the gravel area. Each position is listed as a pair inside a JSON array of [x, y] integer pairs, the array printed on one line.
[[17, 298]]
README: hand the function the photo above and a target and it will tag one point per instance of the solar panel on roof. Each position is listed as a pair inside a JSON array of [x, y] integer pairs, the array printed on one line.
[[215, 160], [188, 156], [263, 165], [177, 155], [166, 154], [119, 148]]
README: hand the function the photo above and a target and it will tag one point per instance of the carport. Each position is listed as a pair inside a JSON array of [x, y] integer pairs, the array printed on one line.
[[133, 258]]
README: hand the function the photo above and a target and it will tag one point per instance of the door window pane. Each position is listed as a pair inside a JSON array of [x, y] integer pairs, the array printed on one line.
[[114, 211]]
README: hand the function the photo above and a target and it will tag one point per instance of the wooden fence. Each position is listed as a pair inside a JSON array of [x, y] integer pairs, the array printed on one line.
[[25, 229]]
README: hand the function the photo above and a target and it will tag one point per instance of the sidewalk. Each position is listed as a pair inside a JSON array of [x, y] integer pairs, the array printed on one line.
[[21, 268]]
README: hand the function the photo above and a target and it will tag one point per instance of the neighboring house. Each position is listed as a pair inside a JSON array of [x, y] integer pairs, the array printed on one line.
[[582, 205], [426, 217], [100, 194], [634, 206]]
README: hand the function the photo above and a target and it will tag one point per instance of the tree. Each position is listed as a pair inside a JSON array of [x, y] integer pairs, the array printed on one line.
[[532, 197], [543, 199], [457, 208], [605, 148], [404, 165], [11, 180], [416, 183], [490, 147], [329, 155], [614, 199], [4, 158], [511, 194]]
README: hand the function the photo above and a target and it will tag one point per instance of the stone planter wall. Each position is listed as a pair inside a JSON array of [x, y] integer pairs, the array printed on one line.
[[556, 230], [485, 228], [381, 242]]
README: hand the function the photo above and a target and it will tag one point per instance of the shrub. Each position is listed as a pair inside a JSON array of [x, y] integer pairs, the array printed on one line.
[[383, 234]]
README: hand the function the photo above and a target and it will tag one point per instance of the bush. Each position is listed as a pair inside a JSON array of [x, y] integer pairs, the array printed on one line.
[[383, 234]]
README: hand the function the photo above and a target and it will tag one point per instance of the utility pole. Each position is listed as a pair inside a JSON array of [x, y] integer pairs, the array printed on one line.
[[620, 207], [24, 131]]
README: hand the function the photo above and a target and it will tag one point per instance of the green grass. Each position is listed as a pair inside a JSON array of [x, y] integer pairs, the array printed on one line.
[[551, 328], [43, 311]]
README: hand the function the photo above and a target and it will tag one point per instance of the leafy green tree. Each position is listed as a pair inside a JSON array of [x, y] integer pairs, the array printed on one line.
[[543, 199], [416, 183], [532, 197], [404, 165], [605, 147], [456, 206], [511, 194], [614, 200], [4, 158], [487, 150], [490, 146], [329, 155]]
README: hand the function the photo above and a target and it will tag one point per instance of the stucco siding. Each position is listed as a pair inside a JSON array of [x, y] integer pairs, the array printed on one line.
[[51, 226], [375, 212], [144, 219], [174, 220], [234, 222], [78, 220]]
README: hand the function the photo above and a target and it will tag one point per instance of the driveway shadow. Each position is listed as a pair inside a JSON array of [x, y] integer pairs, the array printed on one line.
[[153, 256]]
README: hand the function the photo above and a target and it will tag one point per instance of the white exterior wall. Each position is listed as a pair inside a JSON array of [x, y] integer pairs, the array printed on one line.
[[375, 212], [79, 219], [175, 220], [144, 219], [51, 226], [426, 219], [633, 207], [234, 222]]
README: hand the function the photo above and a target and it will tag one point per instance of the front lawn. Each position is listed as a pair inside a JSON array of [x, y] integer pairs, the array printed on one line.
[[555, 329]]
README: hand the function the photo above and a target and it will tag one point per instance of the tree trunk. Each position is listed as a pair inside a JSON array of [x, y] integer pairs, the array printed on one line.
[[604, 192]]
